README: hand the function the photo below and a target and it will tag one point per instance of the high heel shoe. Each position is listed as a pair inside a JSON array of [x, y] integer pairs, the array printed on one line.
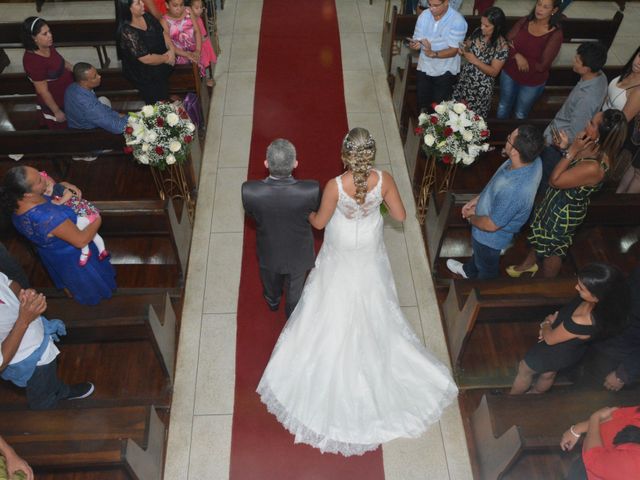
[[512, 272]]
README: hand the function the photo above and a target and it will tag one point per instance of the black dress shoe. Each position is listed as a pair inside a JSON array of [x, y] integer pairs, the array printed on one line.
[[273, 308]]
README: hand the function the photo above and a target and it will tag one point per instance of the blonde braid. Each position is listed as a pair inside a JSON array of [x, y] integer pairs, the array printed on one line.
[[358, 154]]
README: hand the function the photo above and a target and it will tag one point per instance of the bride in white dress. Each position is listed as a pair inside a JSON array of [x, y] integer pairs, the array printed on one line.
[[348, 373]]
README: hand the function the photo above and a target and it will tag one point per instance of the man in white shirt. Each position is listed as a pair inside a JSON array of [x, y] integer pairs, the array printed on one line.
[[438, 33], [27, 352]]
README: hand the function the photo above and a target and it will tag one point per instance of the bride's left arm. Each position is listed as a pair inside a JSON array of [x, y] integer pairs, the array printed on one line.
[[328, 204]]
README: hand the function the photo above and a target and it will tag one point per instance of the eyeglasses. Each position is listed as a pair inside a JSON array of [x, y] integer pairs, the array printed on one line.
[[435, 5]]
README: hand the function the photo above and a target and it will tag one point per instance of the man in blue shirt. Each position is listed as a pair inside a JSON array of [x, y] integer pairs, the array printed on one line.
[[438, 33], [83, 109], [504, 205]]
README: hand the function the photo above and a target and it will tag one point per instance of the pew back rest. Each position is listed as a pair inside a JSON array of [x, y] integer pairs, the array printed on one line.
[[66, 33]]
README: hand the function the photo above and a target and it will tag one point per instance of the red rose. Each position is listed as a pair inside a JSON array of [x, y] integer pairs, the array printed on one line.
[[159, 122], [159, 150], [476, 117], [128, 130], [433, 119], [434, 105], [419, 130], [184, 115], [447, 159], [447, 132], [188, 139], [128, 149], [484, 133]]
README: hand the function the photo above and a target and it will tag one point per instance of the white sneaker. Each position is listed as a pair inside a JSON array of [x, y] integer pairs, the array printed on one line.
[[89, 158], [455, 266]]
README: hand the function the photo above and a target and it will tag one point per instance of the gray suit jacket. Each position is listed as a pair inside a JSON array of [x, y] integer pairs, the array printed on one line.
[[280, 208]]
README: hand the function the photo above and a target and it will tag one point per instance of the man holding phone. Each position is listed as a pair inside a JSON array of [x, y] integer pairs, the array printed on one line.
[[439, 30]]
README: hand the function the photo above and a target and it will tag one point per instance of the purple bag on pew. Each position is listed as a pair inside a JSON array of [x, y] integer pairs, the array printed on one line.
[[192, 106]]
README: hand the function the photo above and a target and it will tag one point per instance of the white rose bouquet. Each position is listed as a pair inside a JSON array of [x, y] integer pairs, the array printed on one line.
[[453, 133], [159, 135]]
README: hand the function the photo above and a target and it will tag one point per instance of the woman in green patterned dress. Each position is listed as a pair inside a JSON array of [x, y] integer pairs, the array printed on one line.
[[577, 176]]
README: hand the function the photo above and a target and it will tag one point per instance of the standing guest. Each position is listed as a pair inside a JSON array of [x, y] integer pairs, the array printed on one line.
[[485, 53], [86, 111], [438, 33], [147, 52], [28, 357], [573, 181], [207, 54], [417, 6], [611, 448], [584, 100], [503, 206], [52, 229], [47, 70], [599, 310], [14, 462], [624, 94], [535, 42], [280, 205]]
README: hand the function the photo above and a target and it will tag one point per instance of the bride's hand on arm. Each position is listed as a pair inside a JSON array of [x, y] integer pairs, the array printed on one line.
[[68, 232], [392, 198], [328, 204]]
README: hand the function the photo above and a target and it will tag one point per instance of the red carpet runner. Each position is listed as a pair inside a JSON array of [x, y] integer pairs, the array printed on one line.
[[299, 96]]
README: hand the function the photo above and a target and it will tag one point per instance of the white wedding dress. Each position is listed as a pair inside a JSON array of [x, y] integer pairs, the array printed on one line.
[[348, 372]]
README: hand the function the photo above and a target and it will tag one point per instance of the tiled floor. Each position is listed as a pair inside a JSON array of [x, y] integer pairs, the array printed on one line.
[[200, 430]]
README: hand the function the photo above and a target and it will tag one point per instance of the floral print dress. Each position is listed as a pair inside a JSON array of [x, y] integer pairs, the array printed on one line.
[[475, 87]]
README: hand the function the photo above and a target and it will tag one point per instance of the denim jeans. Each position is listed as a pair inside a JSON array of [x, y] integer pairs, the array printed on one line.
[[44, 388], [512, 93], [484, 263]]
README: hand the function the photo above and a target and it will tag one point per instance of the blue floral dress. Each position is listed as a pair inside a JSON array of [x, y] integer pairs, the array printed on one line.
[[89, 284]]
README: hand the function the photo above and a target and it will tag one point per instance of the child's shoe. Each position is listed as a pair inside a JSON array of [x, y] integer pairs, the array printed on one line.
[[103, 254], [84, 259]]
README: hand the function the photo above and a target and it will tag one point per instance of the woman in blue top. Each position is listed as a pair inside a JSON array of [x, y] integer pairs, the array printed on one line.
[[52, 229]]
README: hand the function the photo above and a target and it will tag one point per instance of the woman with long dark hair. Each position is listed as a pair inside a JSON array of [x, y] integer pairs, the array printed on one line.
[[147, 53], [47, 70], [485, 53], [535, 42], [601, 309], [577, 176]]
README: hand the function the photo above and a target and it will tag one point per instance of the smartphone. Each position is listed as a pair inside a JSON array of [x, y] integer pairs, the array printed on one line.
[[464, 46]]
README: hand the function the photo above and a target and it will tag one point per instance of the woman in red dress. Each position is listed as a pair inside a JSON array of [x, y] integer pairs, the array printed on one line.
[[47, 70]]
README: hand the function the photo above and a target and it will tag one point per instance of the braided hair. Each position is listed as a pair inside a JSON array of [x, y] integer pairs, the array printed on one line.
[[358, 155]]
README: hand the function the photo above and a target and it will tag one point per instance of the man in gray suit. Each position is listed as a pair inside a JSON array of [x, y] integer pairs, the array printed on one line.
[[280, 205]]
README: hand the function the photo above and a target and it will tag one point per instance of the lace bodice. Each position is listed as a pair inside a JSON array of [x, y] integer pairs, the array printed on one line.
[[351, 209]]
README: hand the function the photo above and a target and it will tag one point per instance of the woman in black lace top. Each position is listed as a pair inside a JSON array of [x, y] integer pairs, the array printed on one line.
[[600, 310], [146, 50]]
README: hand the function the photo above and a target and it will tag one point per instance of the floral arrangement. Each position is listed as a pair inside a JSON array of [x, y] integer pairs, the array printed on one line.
[[159, 135], [453, 133]]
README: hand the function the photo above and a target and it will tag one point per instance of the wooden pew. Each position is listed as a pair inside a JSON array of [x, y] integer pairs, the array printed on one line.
[[505, 426], [69, 33], [575, 30], [78, 439]]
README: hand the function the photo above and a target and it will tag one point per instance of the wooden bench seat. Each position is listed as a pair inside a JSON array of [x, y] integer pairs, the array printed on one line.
[[78, 439], [504, 426]]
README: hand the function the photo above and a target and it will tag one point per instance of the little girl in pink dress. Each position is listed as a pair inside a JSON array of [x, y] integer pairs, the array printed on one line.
[[86, 214], [207, 54]]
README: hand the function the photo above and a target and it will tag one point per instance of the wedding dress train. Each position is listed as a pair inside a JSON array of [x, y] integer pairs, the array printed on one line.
[[348, 372]]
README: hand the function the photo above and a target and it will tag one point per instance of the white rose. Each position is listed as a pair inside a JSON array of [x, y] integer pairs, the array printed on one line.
[[429, 140], [440, 109], [423, 118], [190, 126], [151, 137], [147, 110], [175, 146], [482, 125], [170, 159], [467, 136], [467, 159], [459, 108], [143, 159], [172, 119], [485, 147], [474, 150], [145, 147]]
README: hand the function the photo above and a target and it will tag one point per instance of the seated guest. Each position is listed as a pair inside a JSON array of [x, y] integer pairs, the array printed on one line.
[[146, 49], [582, 103], [504, 205], [611, 448], [83, 109], [14, 462], [28, 356], [47, 70], [573, 181], [599, 310]]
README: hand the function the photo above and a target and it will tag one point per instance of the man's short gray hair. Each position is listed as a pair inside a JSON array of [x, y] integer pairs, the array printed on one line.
[[281, 157]]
